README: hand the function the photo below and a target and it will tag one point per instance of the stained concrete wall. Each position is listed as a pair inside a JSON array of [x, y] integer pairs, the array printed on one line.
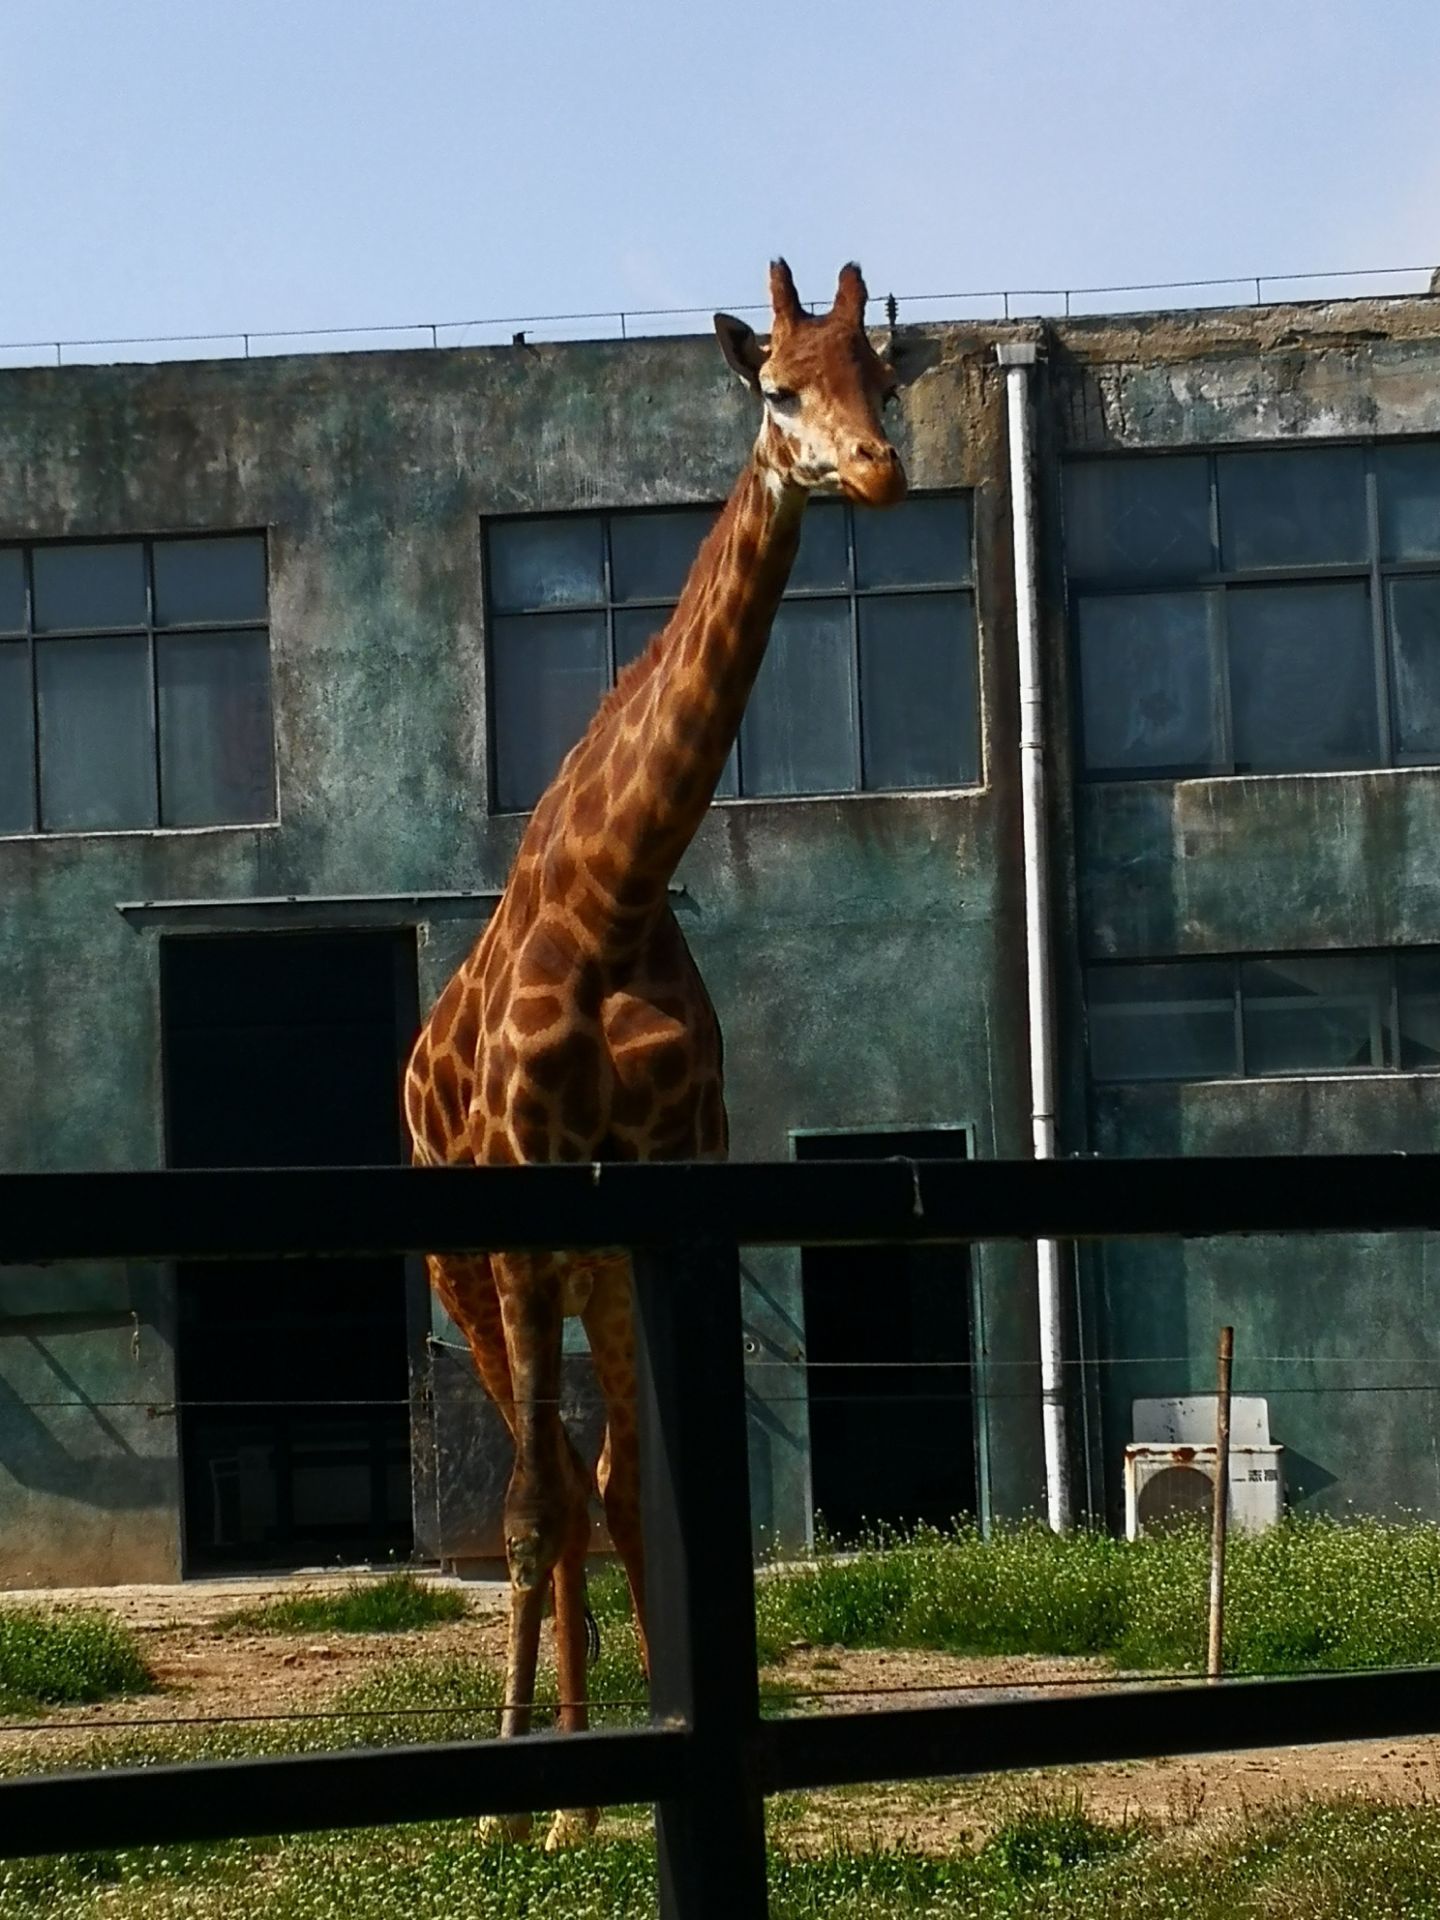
[[863, 953], [1340, 1333]]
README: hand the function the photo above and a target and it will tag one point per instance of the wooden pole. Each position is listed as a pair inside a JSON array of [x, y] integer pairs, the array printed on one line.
[[1219, 1510]]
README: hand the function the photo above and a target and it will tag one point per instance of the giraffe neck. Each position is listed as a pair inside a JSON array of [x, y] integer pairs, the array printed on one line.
[[635, 789]]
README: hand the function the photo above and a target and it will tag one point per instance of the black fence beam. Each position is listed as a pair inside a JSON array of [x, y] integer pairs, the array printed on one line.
[[305, 1212], [700, 1580], [1116, 1723], [309, 1793]]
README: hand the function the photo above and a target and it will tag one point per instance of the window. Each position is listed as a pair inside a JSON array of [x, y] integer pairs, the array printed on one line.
[[134, 685], [1249, 1018], [868, 682], [1273, 611]]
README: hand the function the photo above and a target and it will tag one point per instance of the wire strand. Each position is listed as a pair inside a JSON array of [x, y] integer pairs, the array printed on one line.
[[777, 1688]]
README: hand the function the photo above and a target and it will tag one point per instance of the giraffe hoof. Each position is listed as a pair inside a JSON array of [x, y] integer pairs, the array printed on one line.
[[496, 1828], [571, 1827]]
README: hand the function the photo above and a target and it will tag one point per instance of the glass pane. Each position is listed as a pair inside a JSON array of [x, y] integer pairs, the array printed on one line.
[[651, 553], [823, 562], [97, 762], [1137, 520], [1296, 509], [1419, 980], [549, 676], [1328, 1014], [547, 563], [1174, 1022], [921, 542], [633, 630], [1302, 678], [798, 731], [215, 731], [199, 580], [12, 590], [89, 586], [917, 691], [1409, 482], [1415, 638], [1149, 683], [17, 732]]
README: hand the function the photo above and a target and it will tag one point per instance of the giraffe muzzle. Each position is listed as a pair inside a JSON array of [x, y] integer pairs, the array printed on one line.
[[874, 475]]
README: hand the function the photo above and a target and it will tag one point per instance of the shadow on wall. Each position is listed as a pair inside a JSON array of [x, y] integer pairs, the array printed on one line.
[[71, 1444]]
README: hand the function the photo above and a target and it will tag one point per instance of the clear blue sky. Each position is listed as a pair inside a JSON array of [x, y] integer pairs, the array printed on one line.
[[185, 165]]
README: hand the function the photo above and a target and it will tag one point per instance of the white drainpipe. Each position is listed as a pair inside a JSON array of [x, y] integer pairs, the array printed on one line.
[[1017, 358]]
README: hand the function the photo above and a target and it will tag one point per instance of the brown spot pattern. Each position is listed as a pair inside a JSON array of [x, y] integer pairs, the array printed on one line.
[[579, 1025]]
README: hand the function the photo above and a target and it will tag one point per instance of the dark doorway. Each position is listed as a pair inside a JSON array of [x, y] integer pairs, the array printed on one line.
[[888, 1344], [285, 1050]]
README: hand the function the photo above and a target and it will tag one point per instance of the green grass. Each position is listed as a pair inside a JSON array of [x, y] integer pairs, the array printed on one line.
[[1318, 1861], [397, 1604], [1309, 1594], [65, 1656]]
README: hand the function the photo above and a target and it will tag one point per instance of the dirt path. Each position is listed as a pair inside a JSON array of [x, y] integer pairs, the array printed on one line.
[[205, 1673]]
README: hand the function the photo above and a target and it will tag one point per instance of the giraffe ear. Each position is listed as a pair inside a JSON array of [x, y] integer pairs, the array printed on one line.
[[743, 352]]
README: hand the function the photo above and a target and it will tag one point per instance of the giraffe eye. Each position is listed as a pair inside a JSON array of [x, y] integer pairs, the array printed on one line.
[[781, 397]]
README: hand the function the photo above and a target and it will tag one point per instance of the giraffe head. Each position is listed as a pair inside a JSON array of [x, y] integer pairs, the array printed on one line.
[[823, 387]]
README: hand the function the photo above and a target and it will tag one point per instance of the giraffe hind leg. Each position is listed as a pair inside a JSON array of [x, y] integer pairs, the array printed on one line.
[[465, 1287], [610, 1327]]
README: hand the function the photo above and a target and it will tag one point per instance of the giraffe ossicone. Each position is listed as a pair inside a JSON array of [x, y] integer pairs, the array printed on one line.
[[579, 1028]]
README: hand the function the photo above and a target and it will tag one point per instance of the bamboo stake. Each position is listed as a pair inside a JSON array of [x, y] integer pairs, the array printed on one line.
[[1219, 1510]]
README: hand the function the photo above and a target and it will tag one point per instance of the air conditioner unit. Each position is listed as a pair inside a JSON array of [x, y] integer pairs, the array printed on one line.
[[1170, 1464]]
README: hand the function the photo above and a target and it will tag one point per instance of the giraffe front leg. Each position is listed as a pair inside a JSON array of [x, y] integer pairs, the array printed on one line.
[[521, 1654], [572, 1824]]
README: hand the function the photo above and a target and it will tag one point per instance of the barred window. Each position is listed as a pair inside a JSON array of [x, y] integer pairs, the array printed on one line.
[[868, 683], [1265, 1015], [134, 685], [1268, 611]]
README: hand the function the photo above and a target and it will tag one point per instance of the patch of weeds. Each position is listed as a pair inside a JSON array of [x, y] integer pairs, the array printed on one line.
[[66, 1656], [1309, 1594], [608, 1592], [1021, 1589], [397, 1604], [1050, 1837]]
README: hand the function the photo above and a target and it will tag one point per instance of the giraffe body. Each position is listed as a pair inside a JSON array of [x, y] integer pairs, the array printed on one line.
[[579, 1027]]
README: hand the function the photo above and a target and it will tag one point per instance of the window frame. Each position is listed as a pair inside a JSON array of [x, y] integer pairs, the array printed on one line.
[[146, 630], [1375, 574], [965, 585], [1391, 1066]]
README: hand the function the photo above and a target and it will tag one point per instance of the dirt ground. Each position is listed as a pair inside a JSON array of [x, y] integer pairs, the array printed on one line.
[[208, 1674]]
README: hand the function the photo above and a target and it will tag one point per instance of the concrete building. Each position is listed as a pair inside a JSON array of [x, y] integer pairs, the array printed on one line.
[[288, 646]]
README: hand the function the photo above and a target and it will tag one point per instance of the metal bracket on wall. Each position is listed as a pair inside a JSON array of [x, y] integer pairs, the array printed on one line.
[[292, 911]]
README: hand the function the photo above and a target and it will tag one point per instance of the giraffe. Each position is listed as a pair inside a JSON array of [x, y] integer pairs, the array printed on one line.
[[579, 1028]]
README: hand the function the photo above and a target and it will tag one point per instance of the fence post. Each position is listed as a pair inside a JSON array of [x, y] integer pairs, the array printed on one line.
[[1220, 1507], [699, 1579]]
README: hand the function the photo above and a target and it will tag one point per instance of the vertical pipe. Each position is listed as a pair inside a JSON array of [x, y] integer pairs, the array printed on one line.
[[1017, 357], [1219, 1506]]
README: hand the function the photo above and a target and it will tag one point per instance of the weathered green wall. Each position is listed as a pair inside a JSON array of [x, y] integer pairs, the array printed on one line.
[[1341, 1333], [863, 953]]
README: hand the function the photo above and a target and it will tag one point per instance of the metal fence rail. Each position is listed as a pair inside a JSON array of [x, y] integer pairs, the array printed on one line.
[[1236, 289], [708, 1759], [358, 1210]]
